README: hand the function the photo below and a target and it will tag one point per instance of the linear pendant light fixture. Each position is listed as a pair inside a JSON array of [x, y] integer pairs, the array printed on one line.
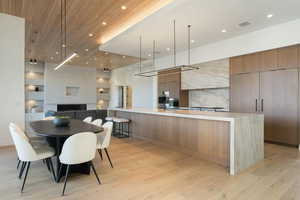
[[65, 61], [63, 40], [173, 70]]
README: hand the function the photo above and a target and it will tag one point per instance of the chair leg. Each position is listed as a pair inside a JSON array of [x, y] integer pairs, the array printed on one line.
[[47, 163], [66, 178], [59, 173], [100, 153], [18, 164], [28, 166], [51, 168], [108, 158], [94, 170], [22, 169]]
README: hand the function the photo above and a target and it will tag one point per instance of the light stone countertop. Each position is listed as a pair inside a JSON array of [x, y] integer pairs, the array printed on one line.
[[194, 114]]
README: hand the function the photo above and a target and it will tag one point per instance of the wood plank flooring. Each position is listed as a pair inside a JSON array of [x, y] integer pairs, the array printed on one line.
[[146, 171]]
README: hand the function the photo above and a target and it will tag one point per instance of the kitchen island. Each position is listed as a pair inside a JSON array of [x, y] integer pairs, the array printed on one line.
[[232, 140]]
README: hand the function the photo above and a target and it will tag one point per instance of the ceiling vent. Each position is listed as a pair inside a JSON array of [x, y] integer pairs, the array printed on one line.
[[243, 24]]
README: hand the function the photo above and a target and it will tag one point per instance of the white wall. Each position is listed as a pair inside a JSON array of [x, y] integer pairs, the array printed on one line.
[[72, 76], [142, 88], [12, 105], [272, 37]]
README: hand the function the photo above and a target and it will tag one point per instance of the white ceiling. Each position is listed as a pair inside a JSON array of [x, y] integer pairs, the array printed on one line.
[[207, 17]]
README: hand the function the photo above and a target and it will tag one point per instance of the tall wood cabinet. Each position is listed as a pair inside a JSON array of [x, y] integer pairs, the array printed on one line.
[[272, 89], [170, 80]]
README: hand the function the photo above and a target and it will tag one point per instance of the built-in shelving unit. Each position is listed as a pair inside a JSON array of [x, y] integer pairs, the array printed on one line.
[[103, 89], [34, 92]]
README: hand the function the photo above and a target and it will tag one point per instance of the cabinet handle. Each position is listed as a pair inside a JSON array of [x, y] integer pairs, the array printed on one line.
[[262, 105], [255, 105]]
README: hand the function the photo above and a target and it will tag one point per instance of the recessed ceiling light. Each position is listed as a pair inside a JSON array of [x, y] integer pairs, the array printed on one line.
[[86, 49], [224, 31], [269, 16], [51, 58], [104, 23], [168, 49], [63, 45], [149, 55], [124, 56], [95, 58], [192, 41], [91, 35], [56, 52], [87, 63], [123, 7]]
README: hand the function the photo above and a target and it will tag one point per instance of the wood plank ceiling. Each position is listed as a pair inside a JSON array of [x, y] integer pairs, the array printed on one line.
[[85, 27]]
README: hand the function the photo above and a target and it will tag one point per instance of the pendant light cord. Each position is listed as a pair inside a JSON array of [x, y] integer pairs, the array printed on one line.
[[65, 42], [174, 24], [189, 44], [140, 53], [154, 46]]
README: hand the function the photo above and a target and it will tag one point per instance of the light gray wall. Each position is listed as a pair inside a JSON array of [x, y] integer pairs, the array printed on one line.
[[69, 76], [142, 88], [12, 105]]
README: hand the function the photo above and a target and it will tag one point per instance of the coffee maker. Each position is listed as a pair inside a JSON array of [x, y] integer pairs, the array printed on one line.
[[165, 102]]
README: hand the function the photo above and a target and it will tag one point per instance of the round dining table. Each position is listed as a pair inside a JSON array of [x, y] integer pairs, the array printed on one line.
[[56, 136]]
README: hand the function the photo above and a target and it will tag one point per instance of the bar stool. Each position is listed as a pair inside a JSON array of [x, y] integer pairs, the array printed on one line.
[[120, 130]]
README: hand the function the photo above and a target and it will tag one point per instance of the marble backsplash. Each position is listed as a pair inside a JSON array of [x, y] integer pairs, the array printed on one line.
[[213, 74], [210, 98]]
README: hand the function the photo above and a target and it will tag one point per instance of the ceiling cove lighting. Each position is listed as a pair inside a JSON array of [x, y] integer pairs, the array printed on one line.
[[65, 61]]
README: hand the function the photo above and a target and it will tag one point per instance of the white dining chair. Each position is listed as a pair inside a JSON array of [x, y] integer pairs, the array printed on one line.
[[28, 153], [88, 119], [77, 149], [97, 122], [35, 141], [103, 140]]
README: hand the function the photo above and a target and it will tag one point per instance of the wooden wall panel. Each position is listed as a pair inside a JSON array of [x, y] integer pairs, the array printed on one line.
[[268, 60], [288, 57], [250, 63], [236, 65]]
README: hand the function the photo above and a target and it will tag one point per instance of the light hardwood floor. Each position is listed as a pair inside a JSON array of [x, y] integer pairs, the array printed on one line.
[[146, 171]]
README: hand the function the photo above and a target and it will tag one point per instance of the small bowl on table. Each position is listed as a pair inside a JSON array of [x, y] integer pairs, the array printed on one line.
[[61, 121]]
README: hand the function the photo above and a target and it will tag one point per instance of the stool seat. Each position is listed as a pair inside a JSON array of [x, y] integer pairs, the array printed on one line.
[[109, 118], [120, 120]]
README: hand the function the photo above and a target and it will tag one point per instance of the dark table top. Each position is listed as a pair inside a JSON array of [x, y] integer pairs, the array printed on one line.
[[47, 128]]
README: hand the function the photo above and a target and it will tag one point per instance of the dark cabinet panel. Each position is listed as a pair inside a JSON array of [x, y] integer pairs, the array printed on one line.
[[279, 104], [244, 93]]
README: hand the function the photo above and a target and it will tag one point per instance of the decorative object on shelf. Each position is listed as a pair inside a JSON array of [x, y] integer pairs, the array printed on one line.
[[61, 121], [37, 89], [182, 68]]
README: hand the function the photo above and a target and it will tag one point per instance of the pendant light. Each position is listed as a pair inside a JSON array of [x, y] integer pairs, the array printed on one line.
[[63, 37], [180, 68]]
